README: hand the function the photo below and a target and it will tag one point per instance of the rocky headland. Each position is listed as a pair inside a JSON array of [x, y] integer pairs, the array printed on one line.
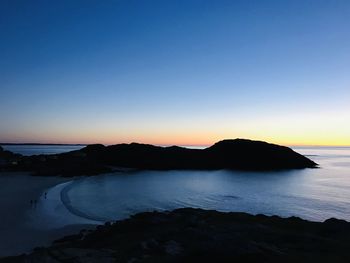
[[237, 154], [195, 235]]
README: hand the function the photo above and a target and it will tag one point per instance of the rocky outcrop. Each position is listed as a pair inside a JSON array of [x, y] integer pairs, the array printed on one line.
[[9, 160], [228, 154], [195, 235]]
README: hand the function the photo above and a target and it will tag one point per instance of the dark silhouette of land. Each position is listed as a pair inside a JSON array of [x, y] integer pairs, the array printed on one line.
[[195, 235], [38, 143], [8, 159], [238, 154]]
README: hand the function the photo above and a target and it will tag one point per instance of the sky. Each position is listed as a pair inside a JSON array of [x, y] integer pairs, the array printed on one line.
[[175, 72]]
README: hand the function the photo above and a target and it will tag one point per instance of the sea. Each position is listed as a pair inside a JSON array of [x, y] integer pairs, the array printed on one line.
[[314, 194], [36, 149]]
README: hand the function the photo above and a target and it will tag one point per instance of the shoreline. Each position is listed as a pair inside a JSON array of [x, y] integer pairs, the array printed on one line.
[[58, 210], [20, 220], [67, 204]]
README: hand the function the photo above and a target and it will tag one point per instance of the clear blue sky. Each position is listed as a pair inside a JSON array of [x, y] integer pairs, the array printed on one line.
[[175, 72]]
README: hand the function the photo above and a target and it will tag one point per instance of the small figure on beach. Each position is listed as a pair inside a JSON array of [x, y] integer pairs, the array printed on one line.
[[45, 195]]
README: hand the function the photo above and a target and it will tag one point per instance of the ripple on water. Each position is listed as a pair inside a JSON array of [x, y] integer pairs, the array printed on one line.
[[314, 194]]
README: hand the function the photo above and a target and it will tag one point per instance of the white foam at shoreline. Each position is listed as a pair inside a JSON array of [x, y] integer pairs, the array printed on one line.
[[52, 213], [67, 203]]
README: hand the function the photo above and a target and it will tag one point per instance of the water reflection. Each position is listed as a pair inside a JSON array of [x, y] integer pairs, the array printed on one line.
[[315, 194]]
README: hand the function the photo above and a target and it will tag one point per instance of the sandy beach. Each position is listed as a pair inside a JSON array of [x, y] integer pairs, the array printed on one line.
[[17, 234]]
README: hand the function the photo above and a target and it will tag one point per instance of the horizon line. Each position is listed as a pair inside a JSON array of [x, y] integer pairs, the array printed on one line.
[[164, 145]]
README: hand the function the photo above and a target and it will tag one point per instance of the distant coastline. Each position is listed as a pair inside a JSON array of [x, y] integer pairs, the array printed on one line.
[[35, 143], [163, 145]]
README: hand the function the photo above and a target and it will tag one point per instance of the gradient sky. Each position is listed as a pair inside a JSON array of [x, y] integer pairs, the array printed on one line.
[[175, 72]]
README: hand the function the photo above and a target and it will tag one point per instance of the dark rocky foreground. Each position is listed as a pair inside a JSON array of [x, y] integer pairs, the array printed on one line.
[[228, 154], [195, 235]]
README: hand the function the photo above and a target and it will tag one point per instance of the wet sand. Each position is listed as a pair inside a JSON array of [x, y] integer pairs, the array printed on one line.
[[17, 234]]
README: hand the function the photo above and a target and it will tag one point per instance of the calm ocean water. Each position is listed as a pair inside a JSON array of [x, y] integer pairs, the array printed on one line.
[[41, 149], [314, 194]]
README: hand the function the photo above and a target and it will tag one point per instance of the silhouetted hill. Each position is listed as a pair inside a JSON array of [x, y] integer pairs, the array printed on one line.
[[255, 155], [227, 154], [196, 235]]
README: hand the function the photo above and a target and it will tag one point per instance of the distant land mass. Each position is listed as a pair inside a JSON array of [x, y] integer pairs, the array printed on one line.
[[38, 143], [235, 154]]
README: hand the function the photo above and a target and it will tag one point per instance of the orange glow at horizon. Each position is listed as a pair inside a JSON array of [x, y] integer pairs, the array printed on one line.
[[203, 139], [332, 129]]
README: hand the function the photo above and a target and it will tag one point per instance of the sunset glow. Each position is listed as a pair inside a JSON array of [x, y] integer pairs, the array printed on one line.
[[184, 73]]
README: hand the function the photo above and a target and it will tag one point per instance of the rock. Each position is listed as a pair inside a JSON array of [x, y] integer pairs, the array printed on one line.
[[173, 248], [220, 237]]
